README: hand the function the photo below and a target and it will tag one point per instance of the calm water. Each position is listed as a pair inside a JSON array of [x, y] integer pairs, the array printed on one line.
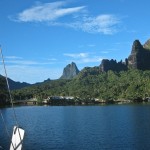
[[125, 127]]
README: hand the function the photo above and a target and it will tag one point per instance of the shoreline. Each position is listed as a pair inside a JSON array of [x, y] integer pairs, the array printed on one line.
[[82, 104]]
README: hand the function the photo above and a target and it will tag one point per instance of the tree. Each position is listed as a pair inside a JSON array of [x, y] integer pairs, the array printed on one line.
[[3, 91]]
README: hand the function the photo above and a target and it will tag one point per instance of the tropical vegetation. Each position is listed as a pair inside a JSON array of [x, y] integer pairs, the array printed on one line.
[[91, 84], [3, 91]]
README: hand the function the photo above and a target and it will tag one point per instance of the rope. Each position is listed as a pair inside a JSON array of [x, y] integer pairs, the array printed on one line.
[[6, 129], [4, 124], [12, 105]]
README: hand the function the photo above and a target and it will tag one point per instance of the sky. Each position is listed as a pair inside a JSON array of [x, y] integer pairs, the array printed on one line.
[[39, 38]]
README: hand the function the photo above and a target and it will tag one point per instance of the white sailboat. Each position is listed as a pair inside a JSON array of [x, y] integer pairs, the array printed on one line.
[[18, 133]]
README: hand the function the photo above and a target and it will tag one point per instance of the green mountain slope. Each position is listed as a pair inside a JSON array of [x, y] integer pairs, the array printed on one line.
[[131, 84]]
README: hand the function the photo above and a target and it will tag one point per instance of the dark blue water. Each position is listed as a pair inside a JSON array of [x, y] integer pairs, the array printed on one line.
[[115, 127]]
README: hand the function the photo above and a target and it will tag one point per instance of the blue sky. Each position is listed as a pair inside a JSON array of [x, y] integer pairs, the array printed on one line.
[[39, 38]]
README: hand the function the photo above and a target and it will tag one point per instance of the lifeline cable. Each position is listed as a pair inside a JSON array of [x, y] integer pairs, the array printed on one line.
[[15, 117], [6, 129], [12, 105]]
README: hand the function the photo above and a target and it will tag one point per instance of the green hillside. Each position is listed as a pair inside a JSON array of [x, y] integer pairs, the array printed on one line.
[[132, 84], [3, 91]]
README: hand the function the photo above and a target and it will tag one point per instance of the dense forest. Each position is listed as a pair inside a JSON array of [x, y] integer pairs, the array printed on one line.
[[3, 91], [131, 85]]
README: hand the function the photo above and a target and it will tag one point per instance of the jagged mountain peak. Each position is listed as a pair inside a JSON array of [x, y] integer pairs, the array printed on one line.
[[147, 44], [72, 64], [136, 47], [112, 65], [70, 71], [140, 56]]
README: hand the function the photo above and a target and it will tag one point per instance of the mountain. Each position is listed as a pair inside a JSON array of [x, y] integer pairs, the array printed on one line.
[[88, 71], [70, 71], [140, 56], [138, 59], [147, 44], [3, 91], [15, 85], [112, 65]]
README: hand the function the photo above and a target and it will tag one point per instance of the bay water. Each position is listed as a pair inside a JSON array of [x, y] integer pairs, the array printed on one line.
[[108, 127]]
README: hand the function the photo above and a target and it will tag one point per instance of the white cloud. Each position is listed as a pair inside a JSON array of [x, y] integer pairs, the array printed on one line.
[[15, 60], [52, 59], [104, 52], [46, 12], [105, 23], [80, 20], [94, 59], [91, 45], [80, 55], [84, 57], [21, 62], [13, 57]]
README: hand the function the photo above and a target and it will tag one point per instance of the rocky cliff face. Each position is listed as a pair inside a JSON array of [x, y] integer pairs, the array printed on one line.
[[138, 59], [140, 56], [112, 65], [147, 45], [70, 71], [135, 56]]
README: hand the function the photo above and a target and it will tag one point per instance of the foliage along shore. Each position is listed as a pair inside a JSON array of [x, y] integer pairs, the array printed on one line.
[[132, 85]]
